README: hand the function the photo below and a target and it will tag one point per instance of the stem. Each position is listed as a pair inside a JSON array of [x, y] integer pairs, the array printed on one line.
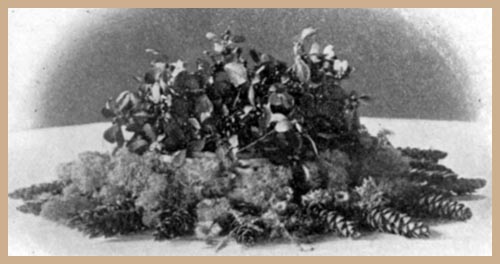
[[256, 141], [237, 99], [313, 144]]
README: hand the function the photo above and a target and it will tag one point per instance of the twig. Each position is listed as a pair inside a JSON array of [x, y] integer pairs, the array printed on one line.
[[224, 242], [256, 141]]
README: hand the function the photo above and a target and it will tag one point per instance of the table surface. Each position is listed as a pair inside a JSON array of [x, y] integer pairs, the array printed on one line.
[[34, 154]]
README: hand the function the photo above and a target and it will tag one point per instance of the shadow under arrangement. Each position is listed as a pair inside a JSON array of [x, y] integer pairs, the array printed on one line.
[[250, 151]]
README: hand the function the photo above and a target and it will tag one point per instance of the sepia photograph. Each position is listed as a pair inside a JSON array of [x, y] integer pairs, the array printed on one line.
[[249, 132]]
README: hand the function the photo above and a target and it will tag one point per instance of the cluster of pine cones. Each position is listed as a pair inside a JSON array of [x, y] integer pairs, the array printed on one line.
[[432, 197]]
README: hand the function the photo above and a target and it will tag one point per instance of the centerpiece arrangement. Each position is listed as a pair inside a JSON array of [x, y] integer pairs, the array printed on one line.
[[248, 148]]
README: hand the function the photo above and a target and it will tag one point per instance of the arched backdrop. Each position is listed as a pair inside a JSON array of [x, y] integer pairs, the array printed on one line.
[[408, 65]]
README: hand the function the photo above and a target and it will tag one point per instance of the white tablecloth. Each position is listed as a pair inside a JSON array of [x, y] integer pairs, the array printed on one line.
[[34, 154]]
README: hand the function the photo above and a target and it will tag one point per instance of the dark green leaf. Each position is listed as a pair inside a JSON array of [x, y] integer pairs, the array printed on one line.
[[238, 39], [113, 134], [176, 138], [255, 55], [133, 127], [194, 123], [149, 131], [123, 101], [138, 145], [197, 145], [180, 107], [203, 107], [107, 113], [141, 117]]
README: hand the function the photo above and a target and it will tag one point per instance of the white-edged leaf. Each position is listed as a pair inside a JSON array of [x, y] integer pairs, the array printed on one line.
[[159, 67], [179, 66], [141, 115], [167, 99], [260, 69], [204, 116], [307, 172], [149, 131], [236, 72], [251, 95], [155, 93], [340, 66], [203, 107], [121, 97], [277, 118], [329, 52], [247, 109], [218, 47], [211, 36], [134, 99], [233, 141], [283, 126], [152, 51], [123, 101], [166, 158], [298, 127], [307, 32], [194, 122], [315, 49], [108, 110], [225, 110], [284, 99], [179, 158], [301, 70], [265, 120]]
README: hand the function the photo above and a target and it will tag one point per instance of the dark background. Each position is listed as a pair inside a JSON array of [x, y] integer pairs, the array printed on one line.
[[410, 74]]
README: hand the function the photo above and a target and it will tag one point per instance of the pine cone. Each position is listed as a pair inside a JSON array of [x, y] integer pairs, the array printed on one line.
[[388, 220], [317, 218], [445, 181], [31, 207], [227, 222], [440, 206], [298, 221], [339, 224], [430, 155], [314, 209], [432, 177], [30, 193], [250, 233], [109, 220], [466, 186], [429, 166], [174, 223]]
